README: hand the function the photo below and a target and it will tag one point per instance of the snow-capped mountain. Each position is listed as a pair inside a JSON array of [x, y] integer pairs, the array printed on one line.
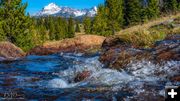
[[53, 9]]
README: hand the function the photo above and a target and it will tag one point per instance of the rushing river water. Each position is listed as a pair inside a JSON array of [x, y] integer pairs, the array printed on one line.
[[49, 78]]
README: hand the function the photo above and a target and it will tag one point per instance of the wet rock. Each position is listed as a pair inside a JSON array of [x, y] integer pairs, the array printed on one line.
[[81, 43], [168, 49], [113, 42], [120, 59], [82, 76], [173, 37], [176, 78], [117, 54], [9, 51]]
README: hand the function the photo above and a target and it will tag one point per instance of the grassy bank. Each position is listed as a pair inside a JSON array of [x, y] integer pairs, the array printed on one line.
[[146, 34]]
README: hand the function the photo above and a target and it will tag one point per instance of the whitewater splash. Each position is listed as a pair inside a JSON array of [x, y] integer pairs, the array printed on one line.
[[142, 71], [53, 76]]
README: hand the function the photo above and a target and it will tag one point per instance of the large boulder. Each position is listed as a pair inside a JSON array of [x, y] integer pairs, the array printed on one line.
[[81, 43], [120, 58], [9, 51], [117, 54]]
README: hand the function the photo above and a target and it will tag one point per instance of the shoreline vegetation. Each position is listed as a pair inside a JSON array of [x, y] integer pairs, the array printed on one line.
[[128, 51], [136, 22]]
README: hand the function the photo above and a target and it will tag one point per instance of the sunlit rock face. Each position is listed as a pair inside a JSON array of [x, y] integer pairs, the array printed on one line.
[[9, 51]]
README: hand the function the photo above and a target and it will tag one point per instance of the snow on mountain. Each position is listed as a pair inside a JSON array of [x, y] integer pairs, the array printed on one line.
[[53, 9]]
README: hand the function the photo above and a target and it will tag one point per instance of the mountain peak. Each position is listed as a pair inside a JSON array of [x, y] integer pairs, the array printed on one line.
[[51, 6], [55, 10]]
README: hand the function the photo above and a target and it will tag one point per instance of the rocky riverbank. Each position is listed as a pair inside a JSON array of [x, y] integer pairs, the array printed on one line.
[[123, 72], [118, 54]]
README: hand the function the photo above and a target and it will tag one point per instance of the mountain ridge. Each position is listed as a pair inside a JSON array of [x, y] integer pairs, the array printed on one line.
[[64, 11]]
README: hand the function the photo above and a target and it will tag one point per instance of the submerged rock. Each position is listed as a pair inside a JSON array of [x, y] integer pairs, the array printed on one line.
[[9, 51], [118, 55], [81, 76], [81, 43]]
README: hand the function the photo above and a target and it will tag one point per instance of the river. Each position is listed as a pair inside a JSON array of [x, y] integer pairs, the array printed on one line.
[[51, 78]]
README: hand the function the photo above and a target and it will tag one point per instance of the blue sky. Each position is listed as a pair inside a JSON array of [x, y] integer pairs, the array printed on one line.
[[36, 5]]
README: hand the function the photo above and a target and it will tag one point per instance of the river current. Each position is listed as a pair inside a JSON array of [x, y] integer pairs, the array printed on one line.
[[51, 78]]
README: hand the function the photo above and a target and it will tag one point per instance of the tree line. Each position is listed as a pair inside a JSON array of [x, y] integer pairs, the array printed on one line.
[[26, 32], [54, 28], [114, 15]]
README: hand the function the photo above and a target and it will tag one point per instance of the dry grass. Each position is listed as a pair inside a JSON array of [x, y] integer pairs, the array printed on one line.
[[148, 24], [80, 33], [87, 40], [142, 37], [146, 34]]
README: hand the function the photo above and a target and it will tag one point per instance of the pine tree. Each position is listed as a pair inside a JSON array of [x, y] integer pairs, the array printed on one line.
[[77, 28], [65, 28], [71, 30], [115, 15], [178, 5], [100, 22], [16, 24], [153, 9], [133, 10], [52, 30], [87, 25], [61, 27], [170, 5], [178, 1], [2, 34]]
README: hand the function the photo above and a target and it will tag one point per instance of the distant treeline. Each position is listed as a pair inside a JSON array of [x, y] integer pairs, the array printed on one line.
[[54, 28], [114, 15], [26, 32]]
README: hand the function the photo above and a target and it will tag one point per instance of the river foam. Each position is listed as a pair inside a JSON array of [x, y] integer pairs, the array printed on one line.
[[142, 72]]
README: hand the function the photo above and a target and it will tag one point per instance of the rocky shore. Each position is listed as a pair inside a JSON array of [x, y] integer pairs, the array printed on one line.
[[117, 54], [9, 51]]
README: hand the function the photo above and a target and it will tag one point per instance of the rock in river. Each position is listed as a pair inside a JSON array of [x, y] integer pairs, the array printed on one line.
[[118, 55], [81, 76]]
